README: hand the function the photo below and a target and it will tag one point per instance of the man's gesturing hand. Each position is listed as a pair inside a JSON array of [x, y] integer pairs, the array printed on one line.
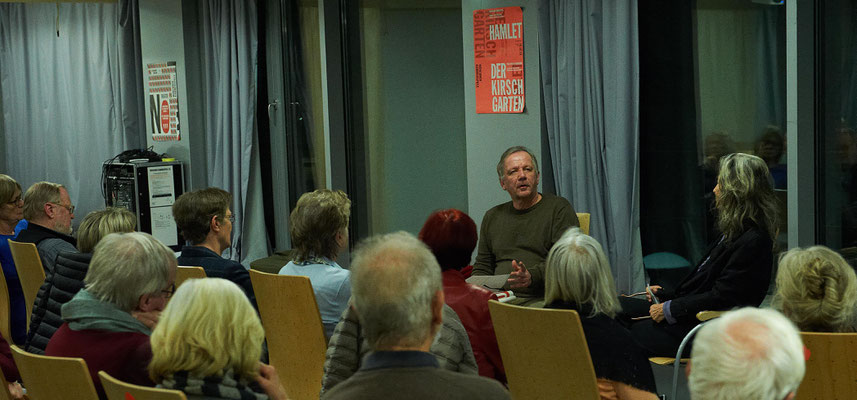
[[519, 277]]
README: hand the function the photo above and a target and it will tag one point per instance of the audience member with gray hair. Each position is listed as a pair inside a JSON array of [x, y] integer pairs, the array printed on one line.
[[70, 270], [48, 210], [749, 353], [348, 347], [397, 293], [578, 277], [108, 323]]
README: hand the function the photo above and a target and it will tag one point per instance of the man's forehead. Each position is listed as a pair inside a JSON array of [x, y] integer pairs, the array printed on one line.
[[518, 156]]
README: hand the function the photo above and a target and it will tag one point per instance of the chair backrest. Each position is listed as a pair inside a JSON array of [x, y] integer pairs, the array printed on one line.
[[54, 377], [831, 367], [118, 390], [296, 342], [184, 273], [559, 367], [583, 218], [5, 310], [30, 270]]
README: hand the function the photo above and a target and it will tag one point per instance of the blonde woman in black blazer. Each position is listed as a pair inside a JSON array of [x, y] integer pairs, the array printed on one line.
[[736, 270]]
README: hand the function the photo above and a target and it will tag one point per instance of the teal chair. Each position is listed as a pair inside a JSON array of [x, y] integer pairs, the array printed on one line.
[[666, 269]]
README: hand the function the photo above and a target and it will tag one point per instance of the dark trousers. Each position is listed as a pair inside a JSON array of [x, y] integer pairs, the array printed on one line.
[[659, 339]]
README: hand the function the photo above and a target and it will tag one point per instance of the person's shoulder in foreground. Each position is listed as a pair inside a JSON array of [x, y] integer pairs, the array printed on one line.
[[416, 383], [400, 322]]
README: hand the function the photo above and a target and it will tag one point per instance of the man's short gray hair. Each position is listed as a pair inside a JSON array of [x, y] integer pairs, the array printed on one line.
[[501, 166], [39, 194], [750, 353], [394, 280], [126, 266]]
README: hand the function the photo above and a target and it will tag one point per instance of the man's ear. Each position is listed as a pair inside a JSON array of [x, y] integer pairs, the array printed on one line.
[[214, 224], [145, 303], [49, 210], [437, 310]]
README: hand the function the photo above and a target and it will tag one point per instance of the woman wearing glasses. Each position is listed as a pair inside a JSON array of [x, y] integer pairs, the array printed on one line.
[[11, 222]]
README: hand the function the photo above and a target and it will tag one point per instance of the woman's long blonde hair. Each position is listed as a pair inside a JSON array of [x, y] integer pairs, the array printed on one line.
[[209, 327], [746, 194], [817, 290]]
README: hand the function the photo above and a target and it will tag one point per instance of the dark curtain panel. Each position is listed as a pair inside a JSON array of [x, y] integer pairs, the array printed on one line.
[[672, 203]]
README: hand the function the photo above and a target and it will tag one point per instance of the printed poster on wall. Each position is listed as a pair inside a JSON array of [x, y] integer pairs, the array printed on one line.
[[164, 101], [498, 48]]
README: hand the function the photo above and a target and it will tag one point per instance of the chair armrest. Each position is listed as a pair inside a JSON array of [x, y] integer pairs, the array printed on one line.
[[703, 316]]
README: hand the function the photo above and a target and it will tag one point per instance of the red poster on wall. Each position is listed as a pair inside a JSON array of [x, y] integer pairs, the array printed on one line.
[[498, 48]]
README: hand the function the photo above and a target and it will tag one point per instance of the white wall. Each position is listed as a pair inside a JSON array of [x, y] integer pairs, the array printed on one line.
[[162, 40], [488, 135]]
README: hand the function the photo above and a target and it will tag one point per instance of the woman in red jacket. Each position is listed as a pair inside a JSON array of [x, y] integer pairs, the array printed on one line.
[[451, 235]]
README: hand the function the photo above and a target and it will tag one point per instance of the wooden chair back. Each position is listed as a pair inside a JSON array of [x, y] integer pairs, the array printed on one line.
[[584, 222], [5, 310], [118, 390], [831, 367], [184, 273], [558, 368], [296, 342], [31, 272], [54, 377]]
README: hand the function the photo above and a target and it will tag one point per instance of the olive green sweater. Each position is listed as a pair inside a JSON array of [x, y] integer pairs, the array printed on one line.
[[525, 235]]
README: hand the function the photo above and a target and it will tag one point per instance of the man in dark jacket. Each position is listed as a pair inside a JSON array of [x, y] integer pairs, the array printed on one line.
[[205, 220], [48, 209]]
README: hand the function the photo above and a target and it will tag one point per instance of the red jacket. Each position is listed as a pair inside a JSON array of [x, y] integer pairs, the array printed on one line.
[[470, 302], [7, 364], [123, 355]]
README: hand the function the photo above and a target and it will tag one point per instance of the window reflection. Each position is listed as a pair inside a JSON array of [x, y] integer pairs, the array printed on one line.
[[726, 58], [836, 174]]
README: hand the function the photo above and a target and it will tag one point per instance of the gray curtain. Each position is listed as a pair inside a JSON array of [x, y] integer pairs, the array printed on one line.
[[229, 63], [70, 101], [590, 79]]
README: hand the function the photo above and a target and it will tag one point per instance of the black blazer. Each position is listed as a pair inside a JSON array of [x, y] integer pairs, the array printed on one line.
[[737, 273]]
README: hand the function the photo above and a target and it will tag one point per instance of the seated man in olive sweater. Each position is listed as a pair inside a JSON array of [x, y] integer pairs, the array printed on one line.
[[516, 236]]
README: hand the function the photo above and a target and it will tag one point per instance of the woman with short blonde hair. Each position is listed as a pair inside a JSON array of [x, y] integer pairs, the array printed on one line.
[[101, 223], [817, 290], [319, 228], [209, 340], [317, 220]]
